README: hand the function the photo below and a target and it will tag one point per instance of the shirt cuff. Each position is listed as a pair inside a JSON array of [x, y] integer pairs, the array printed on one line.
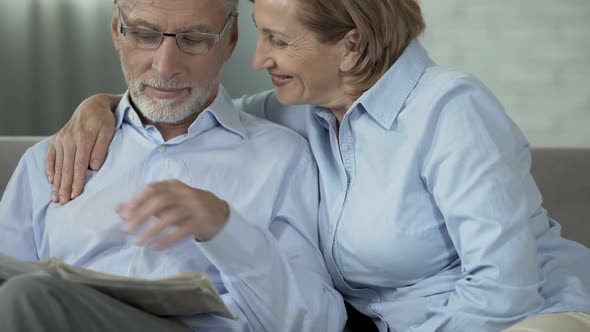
[[240, 247]]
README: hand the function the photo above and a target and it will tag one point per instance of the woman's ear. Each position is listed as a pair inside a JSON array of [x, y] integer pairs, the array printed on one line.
[[353, 50]]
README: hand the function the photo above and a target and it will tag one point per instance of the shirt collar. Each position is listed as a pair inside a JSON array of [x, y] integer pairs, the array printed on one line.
[[386, 99], [121, 113], [222, 110]]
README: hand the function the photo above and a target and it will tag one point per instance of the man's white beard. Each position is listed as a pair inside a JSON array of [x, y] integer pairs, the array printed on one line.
[[169, 111]]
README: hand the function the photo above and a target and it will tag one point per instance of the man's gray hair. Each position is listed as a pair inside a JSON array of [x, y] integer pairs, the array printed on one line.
[[231, 6]]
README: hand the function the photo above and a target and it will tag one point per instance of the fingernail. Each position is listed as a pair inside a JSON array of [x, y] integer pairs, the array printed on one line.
[[95, 164], [123, 214], [122, 210], [62, 199], [54, 197], [50, 178]]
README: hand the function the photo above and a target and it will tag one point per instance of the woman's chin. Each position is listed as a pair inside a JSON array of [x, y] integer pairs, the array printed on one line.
[[289, 99]]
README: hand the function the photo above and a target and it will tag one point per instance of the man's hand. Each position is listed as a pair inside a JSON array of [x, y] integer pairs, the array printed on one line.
[[180, 211], [81, 143]]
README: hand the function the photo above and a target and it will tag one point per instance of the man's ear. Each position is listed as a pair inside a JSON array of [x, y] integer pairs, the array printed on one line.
[[115, 28], [233, 38], [352, 50]]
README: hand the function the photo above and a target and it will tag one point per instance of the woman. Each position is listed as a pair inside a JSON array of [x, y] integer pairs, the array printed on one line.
[[430, 219]]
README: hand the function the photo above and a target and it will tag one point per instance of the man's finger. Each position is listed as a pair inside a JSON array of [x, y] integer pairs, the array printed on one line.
[[172, 238], [149, 203], [171, 220]]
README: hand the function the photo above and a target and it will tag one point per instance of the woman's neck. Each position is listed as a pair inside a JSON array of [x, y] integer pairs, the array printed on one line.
[[340, 106]]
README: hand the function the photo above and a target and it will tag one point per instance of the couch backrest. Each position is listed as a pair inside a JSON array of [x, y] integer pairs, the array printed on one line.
[[11, 150], [562, 174], [563, 177]]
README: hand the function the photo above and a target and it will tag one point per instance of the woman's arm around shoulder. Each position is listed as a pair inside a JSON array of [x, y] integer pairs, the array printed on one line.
[[81, 144], [267, 106]]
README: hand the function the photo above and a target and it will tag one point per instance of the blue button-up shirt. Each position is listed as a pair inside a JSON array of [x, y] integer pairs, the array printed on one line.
[[430, 219], [265, 263]]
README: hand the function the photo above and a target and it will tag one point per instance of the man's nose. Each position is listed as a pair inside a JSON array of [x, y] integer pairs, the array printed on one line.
[[167, 58]]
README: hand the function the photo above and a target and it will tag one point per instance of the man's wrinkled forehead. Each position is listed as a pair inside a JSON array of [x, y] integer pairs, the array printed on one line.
[[198, 14]]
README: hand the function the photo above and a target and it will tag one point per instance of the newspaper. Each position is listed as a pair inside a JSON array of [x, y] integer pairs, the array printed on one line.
[[184, 294]]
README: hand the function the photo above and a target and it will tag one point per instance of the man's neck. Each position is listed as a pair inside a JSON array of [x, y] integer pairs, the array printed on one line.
[[171, 130]]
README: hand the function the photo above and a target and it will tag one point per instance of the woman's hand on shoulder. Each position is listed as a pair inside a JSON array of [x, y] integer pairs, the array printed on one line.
[[81, 144]]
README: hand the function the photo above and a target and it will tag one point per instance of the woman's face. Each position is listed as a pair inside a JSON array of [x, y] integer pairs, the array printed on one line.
[[304, 70]]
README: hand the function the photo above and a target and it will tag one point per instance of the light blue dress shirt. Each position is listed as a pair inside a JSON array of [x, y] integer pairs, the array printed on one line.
[[265, 263], [430, 219]]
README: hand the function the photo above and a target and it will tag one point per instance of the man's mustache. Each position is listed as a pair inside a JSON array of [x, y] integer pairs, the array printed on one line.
[[164, 84]]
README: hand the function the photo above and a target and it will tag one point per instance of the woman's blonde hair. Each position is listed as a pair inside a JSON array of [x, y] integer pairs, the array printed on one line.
[[386, 28]]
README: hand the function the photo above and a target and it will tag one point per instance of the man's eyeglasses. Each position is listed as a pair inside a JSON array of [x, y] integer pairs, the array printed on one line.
[[194, 43]]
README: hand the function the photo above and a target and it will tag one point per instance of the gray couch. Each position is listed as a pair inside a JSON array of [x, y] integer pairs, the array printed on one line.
[[562, 174]]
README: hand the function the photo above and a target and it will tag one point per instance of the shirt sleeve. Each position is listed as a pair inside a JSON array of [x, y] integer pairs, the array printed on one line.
[[17, 238], [267, 106], [275, 276], [476, 169]]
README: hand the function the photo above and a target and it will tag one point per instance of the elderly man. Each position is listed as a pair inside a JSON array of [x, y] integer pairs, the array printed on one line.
[[193, 185]]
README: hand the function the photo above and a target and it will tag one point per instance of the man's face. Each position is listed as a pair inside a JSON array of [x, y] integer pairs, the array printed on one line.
[[166, 84]]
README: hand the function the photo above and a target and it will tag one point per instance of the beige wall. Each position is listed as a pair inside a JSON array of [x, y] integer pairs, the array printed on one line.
[[534, 54]]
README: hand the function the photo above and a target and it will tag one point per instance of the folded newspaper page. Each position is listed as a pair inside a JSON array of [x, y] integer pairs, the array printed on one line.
[[184, 294]]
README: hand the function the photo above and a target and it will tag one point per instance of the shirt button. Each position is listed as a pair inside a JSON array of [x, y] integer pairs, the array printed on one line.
[[161, 149]]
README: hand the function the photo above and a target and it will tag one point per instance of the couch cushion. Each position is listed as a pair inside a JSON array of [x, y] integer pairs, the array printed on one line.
[[11, 150], [563, 176]]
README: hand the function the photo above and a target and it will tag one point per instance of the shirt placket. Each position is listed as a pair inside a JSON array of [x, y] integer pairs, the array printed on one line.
[[344, 146], [343, 149]]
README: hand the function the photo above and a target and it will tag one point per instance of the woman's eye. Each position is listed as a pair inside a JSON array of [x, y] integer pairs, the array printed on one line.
[[277, 42]]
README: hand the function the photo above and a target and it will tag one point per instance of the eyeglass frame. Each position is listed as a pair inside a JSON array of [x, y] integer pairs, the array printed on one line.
[[218, 36]]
